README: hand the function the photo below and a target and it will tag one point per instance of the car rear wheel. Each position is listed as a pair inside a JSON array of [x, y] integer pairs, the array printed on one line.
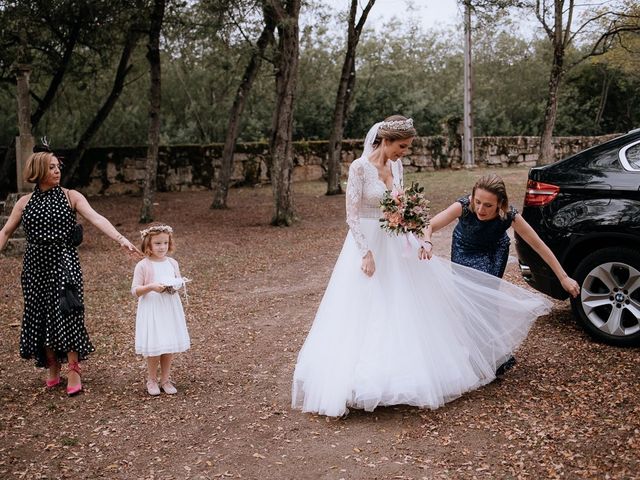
[[608, 306]]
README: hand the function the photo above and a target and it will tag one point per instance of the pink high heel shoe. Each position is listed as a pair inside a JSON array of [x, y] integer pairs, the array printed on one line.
[[74, 367], [56, 381]]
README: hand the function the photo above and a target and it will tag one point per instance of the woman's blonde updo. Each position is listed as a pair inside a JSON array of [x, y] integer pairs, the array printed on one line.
[[395, 127]]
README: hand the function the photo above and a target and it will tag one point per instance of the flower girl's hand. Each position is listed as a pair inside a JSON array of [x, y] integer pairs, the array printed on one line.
[[368, 265], [157, 287]]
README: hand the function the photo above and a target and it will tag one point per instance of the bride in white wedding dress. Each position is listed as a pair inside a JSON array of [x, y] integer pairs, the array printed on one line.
[[393, 329]]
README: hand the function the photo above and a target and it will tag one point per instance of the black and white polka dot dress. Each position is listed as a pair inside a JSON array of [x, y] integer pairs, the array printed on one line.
[[49, 261]]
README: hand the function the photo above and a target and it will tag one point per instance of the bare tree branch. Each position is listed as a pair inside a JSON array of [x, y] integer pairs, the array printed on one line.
[[541, 15], [567, 29], [363, 17], [605, 41]]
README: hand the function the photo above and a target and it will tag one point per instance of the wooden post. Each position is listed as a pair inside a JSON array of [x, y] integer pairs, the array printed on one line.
[[467, 135], [24, 142]]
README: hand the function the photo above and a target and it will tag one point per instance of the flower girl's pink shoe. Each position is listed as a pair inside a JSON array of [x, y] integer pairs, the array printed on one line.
[[71, 391], [152, 388], [168, 388]]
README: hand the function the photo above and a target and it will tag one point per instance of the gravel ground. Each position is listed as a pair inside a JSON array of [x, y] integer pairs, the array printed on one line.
[[569, 409]]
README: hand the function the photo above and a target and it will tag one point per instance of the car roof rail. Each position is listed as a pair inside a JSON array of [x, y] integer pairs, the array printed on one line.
[[635, 130]]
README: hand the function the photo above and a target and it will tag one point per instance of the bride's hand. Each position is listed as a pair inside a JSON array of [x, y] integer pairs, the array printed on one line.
[[368, 265]]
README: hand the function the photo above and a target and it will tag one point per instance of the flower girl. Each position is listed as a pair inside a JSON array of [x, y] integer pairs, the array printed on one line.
[[161, 330]]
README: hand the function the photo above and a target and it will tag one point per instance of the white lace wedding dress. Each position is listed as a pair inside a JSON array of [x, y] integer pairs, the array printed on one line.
[[417, 332]]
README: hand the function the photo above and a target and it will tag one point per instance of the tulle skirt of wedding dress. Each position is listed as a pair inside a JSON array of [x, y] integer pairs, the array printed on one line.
[[417, 332]]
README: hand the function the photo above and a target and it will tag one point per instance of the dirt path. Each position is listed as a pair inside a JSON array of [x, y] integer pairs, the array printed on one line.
[[569, 409]]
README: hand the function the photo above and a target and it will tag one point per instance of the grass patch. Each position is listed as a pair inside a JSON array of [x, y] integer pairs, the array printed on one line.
[[69, 441]]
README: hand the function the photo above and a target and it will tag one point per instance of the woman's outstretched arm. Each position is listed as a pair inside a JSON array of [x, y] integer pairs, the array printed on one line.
[[441, 220], [82, 206], [529, 235], [13, 222]]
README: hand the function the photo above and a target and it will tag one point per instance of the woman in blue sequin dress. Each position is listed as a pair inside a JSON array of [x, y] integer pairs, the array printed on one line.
[[480, 239]]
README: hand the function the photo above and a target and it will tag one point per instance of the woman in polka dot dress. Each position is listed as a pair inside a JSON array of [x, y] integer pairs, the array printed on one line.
[[51, 334]]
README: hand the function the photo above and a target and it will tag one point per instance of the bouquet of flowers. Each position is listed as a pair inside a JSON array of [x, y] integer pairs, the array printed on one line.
[[405, 211]]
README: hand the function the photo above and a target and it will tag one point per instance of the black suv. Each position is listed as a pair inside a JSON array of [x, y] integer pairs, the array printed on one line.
[[586, 208]]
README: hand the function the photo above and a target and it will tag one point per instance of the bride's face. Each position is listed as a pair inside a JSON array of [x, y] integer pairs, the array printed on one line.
[[394, 149]]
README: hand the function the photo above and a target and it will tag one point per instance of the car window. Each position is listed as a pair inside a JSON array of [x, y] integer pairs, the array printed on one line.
[[633, 156], [606, 160]]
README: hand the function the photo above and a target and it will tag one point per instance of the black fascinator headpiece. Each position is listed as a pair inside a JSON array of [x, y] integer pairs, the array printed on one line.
[[44, 147]]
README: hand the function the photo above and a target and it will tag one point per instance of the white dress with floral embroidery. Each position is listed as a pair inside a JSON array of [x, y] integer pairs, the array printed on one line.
[[417, 332], [160, 324]]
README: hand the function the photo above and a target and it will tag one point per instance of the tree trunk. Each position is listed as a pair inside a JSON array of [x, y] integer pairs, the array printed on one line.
[[346, 87], [467, 118], [559, 38], [547, 151], [281, 144], [153, 56], [221, 186], [107, 106]]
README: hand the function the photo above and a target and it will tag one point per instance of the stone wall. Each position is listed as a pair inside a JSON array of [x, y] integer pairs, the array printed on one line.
[[119, 170]]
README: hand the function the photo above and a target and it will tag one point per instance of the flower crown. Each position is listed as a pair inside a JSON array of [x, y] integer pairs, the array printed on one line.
[[401, 125], [155, 229]]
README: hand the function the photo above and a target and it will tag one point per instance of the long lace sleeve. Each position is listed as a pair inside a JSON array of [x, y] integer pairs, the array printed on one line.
[[355, 183]]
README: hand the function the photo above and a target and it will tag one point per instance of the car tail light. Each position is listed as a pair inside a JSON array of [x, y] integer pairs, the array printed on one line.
[[539, 194]]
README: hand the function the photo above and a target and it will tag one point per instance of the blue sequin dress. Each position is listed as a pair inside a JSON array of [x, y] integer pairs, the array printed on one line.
[[482, 244]]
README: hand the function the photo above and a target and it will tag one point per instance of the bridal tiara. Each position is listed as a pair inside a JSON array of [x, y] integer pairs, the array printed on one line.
[[156, 229], [401, 125]]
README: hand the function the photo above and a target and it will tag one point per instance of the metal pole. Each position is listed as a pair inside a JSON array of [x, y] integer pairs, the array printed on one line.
[[467, 121]]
